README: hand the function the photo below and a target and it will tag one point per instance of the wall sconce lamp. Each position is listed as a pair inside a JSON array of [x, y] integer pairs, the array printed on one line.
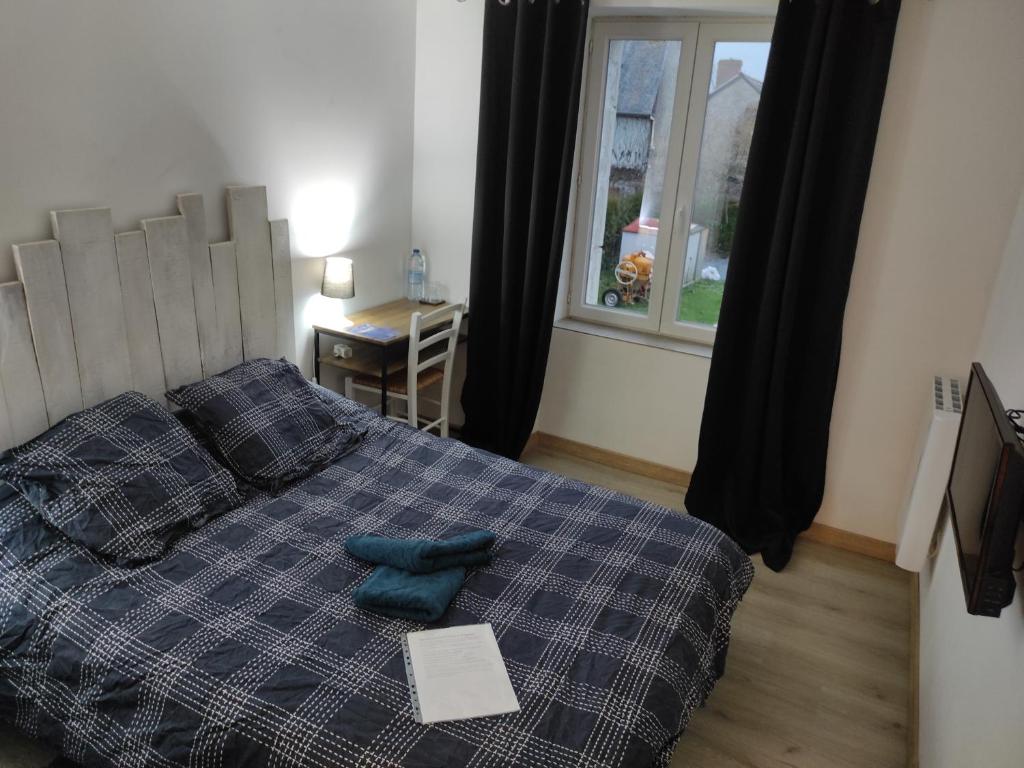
[[339, 280]]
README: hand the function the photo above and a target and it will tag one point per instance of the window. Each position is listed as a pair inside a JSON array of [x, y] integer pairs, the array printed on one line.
[[668, 115]]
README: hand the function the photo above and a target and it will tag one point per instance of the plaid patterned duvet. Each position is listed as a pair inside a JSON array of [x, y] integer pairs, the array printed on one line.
[[241, 645]]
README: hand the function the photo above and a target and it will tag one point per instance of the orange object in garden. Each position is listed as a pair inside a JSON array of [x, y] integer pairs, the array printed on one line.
[[633, 274]]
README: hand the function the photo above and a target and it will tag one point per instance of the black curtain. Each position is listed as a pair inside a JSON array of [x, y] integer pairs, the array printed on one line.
[[760, 471], [529, 100]]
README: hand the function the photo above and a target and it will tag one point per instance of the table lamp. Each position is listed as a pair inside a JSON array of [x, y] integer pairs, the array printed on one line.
[[339, 281]]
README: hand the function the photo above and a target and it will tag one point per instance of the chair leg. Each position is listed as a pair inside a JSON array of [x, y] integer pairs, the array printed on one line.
[[412, 409], [348, 388]]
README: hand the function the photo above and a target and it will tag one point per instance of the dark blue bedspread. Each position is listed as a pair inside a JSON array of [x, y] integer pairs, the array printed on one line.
[[242, 645]]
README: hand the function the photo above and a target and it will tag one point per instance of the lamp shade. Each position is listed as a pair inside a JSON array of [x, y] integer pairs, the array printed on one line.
[[339, 282]]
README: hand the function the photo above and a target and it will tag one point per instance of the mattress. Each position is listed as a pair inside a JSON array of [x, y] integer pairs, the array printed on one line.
[[241, 646]]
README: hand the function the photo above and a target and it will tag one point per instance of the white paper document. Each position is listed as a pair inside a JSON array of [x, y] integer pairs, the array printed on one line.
[[457, 673]]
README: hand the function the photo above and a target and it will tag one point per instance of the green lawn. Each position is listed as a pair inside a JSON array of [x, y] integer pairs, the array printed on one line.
[[699, 302]]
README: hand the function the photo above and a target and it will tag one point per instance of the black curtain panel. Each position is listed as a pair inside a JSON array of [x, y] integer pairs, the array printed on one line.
[[529, 101], [760, 471]]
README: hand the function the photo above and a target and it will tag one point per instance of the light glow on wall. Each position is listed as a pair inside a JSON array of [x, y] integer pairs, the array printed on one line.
[[321, 217], [325, 312]]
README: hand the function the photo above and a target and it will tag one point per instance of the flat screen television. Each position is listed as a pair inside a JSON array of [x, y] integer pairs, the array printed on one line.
[[985, 497]]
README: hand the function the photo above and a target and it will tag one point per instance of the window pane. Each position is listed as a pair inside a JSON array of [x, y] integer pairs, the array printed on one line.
[[636, 123], [733, 95]]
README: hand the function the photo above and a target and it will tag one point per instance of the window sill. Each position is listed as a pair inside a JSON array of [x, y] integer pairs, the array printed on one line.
[[634, 337]]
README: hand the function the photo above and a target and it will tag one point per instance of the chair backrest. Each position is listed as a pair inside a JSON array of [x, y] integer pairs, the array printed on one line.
[[418, 343]]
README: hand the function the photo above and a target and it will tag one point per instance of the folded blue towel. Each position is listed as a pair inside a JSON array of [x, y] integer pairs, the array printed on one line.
[[420, 597], [423, 555]]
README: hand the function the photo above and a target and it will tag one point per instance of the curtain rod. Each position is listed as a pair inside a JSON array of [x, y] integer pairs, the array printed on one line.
[[507, 2]]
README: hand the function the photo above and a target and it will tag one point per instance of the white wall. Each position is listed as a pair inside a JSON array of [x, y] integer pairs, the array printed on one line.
[[972, 667], [943, 192], [125, 104], [628, 398], [449, 43]]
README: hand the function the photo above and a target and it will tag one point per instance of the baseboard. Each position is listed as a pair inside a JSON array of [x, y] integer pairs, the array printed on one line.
[[824, 534], [914, 703], [637, 466], [851, 542]]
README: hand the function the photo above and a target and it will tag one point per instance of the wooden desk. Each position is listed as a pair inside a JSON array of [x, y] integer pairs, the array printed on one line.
[[395, 315]]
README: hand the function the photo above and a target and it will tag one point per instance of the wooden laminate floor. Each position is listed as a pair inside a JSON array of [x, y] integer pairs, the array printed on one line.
[[818, 668]]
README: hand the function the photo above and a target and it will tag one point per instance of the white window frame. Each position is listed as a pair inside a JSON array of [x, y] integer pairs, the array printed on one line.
[[699, 38]]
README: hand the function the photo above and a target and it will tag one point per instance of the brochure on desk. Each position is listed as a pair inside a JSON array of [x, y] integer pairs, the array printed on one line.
[[375, 332]]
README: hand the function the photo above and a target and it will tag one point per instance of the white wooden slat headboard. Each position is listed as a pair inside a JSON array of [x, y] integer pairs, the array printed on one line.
[[86, 240], [22, 388], [95, 314], [250, 230], [228, 351], [191, 207], [144, 353], [171, 276], [42, 275]]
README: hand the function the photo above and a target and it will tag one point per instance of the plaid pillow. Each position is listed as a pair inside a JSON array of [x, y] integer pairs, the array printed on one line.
[[122, 478], [267, 422]]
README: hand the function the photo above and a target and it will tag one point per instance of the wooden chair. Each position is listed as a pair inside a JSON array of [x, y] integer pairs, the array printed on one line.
[[420, 373]]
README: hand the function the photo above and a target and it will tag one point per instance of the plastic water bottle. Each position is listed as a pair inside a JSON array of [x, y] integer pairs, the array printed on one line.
[[416, 274]]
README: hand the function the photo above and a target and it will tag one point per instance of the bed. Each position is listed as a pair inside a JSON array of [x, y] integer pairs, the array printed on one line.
[[241, 645]]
